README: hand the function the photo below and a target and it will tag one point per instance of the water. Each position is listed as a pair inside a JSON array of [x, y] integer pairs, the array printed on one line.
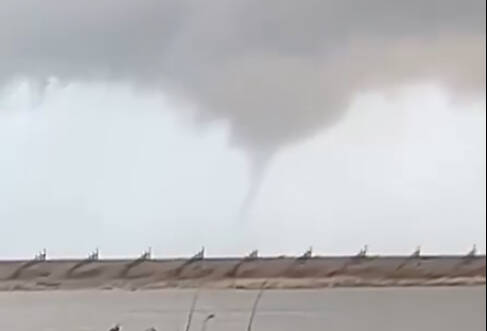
[[428, 309]]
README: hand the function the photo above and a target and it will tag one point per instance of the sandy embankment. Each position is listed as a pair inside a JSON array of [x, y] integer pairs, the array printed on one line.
[[237, 273]]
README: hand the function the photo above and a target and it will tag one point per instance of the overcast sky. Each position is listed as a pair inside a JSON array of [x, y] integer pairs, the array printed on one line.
[[242, 125]]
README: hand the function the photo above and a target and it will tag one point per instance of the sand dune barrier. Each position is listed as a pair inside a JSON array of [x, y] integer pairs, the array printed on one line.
[[282, 272]]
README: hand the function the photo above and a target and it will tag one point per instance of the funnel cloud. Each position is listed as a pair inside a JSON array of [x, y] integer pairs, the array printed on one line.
[[275, 71]]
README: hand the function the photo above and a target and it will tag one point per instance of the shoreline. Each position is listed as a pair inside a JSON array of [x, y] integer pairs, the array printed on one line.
[[255, 284], [246, 273]]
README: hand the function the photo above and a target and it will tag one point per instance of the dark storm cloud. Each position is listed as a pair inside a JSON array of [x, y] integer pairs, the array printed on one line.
[[275, 70]]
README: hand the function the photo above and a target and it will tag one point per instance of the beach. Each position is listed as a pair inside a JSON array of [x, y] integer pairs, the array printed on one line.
[[341, 309], [245, 273]]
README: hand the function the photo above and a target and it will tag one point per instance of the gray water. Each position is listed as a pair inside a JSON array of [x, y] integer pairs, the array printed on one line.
[[392, 309]]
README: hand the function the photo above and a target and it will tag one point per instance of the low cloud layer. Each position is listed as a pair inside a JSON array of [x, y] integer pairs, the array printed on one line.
[[276, 71]]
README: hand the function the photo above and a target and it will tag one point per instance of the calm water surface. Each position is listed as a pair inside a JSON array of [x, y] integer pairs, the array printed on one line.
[[393, 309]]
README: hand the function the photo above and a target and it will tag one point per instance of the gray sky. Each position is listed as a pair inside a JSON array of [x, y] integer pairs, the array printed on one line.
[[125, 124]]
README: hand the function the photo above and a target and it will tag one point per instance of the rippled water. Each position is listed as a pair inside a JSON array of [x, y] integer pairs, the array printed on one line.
[[429, 309]]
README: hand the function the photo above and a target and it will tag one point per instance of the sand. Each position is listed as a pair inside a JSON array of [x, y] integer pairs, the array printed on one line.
[[343, 309], [284, 272]]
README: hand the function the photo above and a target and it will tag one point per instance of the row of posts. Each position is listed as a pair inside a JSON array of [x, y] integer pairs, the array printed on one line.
[[147, 255]]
